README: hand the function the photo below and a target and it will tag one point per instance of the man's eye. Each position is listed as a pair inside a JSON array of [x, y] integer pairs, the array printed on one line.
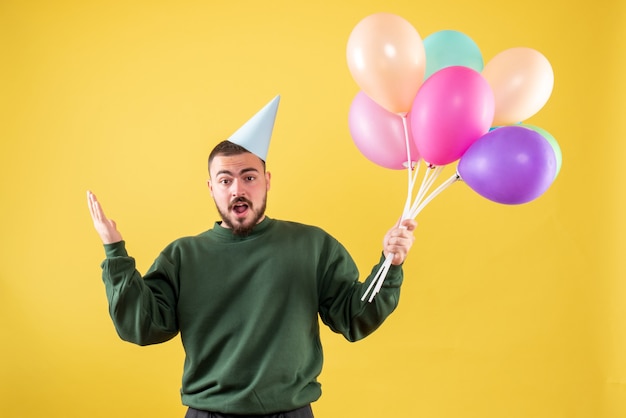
[[224, 181], [250, 178]]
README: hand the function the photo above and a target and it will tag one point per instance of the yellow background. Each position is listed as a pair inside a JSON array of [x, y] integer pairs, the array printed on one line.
[[507, 311]]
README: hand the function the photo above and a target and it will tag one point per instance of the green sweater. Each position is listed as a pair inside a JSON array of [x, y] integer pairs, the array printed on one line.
[[247, 311]]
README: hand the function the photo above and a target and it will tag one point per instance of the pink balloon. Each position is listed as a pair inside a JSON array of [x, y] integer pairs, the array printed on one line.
[[453, 108], [379, 134], [386, 58]]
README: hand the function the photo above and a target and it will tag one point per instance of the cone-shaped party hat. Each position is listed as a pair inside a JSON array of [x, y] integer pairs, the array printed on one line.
[[256, 133]]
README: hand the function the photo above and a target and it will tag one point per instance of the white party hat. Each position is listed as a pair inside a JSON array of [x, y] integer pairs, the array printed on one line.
[[256, 133]]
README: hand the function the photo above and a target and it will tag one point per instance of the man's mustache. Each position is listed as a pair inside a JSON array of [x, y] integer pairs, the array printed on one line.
[[237, 200]]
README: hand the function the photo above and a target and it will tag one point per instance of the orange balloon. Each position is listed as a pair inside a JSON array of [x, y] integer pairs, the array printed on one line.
[[386, 58], [522, 80]]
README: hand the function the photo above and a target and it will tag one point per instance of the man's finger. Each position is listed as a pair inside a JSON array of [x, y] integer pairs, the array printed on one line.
[[90, 204], [96, 210]]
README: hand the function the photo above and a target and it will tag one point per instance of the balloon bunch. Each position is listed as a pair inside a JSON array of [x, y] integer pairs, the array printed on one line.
[[434, 101]]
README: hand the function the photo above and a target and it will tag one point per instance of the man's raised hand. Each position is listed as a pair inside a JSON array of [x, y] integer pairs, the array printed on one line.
[[105, 227]]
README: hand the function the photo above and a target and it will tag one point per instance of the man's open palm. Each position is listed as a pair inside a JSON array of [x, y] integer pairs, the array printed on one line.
[[105, 227]]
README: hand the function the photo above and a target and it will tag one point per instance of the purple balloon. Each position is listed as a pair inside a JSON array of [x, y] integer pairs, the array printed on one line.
[[509, 165]]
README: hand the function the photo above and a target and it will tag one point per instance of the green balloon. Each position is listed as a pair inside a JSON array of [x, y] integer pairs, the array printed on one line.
[[555, 145], [447, 48]]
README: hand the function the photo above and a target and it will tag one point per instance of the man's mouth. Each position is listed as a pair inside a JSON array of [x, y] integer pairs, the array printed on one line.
[[240, 206]]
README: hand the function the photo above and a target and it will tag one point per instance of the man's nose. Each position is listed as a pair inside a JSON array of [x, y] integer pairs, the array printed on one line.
[[238, 188]]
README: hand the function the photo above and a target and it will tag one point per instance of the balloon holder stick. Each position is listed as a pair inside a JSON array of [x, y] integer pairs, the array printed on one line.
[[412, 206]]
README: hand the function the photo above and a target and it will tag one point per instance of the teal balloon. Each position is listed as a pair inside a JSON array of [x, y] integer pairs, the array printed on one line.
[[553, 143], [448, 48]]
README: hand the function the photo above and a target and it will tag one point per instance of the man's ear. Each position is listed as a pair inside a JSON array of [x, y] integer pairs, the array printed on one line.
[[210, 186], [268, 177]]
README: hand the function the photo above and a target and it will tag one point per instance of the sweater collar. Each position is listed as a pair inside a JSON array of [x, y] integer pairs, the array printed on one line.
[[226, 233]]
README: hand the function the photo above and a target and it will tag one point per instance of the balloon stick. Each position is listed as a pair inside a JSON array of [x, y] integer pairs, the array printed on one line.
[[384, 268], [441, 188], [407, 203], [410, 210]]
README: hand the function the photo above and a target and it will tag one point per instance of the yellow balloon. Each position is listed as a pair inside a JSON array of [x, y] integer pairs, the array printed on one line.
[[386, 58], [522, 81]]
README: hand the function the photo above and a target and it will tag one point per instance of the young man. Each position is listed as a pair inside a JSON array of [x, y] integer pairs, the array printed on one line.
[[246, 295]]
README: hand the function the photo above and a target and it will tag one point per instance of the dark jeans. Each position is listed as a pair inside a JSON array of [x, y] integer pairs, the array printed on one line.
[[304, 412]]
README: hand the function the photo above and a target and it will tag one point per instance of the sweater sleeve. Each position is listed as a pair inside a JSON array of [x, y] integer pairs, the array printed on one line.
[[143, 309], [341, 307]]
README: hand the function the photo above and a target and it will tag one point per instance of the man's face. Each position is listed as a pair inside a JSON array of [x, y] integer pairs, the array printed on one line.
[[239, 188]]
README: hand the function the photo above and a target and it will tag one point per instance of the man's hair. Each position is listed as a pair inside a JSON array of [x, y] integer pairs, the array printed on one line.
[[228, 148]]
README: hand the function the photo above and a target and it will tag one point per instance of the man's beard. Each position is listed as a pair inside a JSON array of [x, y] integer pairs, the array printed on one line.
[[241, 228]]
